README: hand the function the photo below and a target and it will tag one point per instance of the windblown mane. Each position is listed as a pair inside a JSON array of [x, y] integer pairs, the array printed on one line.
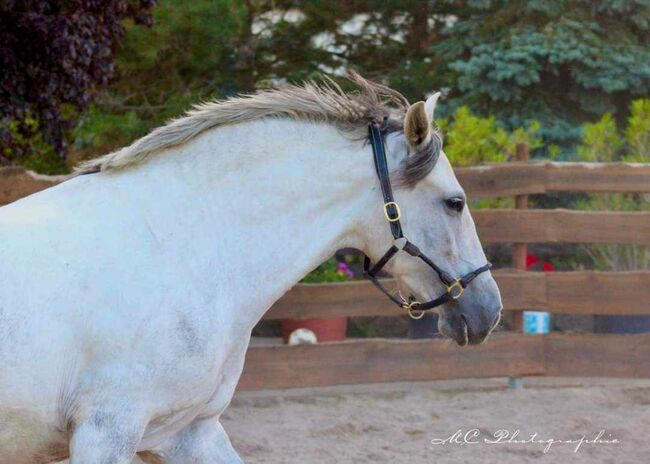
[[324, 101]]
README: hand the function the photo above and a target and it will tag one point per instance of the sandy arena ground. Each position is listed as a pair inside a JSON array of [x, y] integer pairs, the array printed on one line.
[[395, 423]]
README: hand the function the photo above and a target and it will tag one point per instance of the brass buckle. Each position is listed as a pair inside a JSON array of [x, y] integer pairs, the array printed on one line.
[[413, 313], [387, 215], [455, 290]]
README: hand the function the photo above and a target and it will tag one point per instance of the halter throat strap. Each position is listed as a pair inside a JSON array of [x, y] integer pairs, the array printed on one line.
[[392, 213]]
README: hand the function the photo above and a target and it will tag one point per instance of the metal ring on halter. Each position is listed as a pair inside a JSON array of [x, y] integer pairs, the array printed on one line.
[[414, 315], [408, 305]]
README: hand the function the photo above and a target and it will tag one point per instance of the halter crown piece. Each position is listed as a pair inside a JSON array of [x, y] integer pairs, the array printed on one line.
[[392, 213]]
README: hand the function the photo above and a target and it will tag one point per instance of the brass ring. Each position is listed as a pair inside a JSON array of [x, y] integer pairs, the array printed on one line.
[[412, 315], [455, 294], [408, 305]]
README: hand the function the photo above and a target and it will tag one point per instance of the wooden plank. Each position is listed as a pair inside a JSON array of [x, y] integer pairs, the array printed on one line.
[[356, 298], [522, 290], [17, 182], [580, 292], [502, 180], [598, 177], [504, 355], [507, 179], [597, 355], [598, 292], [564, 226], [382, 360]]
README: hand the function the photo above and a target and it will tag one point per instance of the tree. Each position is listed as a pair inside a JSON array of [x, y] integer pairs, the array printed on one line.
[[215, 48], [197, 50], [562, 62], [52, 54]]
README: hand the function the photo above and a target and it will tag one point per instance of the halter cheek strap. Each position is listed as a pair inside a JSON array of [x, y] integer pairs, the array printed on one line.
[[392, 213]]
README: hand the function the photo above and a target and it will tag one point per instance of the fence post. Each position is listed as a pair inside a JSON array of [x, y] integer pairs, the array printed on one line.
[[519, 252]]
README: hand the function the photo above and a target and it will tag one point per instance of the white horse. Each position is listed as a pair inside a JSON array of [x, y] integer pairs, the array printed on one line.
[[127, 297]]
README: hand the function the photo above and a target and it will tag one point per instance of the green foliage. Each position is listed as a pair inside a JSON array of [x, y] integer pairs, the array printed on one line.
[[544, 66], [42, 157], [637, 132], [472, 140], [603, 142], [214, 48], [53, 55], [327, 272], [561, 63], [600, 141], [109, 130], [191, 54]]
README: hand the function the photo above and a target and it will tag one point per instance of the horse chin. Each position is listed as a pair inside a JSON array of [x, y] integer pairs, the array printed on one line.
[[454, 328], [467, 327]]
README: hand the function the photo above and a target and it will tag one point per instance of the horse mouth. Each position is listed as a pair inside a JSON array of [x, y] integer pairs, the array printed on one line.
[[455, 328], [459, 328]]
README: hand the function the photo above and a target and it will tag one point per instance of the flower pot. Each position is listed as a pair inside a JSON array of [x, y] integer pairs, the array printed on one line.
[[326, 330]]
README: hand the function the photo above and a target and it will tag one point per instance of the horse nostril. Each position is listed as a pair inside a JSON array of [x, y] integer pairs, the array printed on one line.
[[465, 326], [477, 331]]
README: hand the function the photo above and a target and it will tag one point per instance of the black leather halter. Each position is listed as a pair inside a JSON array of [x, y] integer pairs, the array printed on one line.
[[455, 286]]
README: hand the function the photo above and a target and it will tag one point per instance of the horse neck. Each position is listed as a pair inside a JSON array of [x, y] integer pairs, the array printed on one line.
[[259, 205]]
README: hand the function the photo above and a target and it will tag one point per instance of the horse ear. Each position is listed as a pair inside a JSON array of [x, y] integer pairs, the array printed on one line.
[[417, 125], [430, 105]]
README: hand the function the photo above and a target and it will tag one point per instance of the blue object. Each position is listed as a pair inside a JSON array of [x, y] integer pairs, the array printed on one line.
[[537, 322]]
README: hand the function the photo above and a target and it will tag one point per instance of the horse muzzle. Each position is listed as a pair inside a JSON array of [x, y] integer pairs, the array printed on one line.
[[468, 326]]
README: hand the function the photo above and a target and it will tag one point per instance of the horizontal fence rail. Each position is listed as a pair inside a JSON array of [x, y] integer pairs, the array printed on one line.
[[514, 178], [386, 360], [580, 292], [393, 360], [562, 226]]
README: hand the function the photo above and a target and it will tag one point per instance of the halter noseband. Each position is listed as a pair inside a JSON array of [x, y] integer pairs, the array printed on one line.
[[392, 213]]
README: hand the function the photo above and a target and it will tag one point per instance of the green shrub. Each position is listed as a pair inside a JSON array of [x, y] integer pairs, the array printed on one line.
[[603, 142], [472, 140], [637, 132], [38, 155]]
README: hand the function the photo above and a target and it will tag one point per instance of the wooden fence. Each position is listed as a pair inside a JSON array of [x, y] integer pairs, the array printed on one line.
[[507, 355], [504, 355]]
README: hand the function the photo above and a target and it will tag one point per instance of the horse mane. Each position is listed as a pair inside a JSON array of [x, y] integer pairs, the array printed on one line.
[[323, 101]]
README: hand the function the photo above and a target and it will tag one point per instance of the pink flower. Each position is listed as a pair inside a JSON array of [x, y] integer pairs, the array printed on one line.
[[343, 269]]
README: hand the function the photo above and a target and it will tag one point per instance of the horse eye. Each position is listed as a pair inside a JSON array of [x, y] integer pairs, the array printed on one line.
[[456, 203]]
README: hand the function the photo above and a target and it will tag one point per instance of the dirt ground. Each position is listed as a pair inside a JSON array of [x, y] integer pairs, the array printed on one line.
[[396, 423]]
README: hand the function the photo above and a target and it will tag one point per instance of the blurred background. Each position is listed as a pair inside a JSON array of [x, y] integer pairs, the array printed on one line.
[[81, 77]]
